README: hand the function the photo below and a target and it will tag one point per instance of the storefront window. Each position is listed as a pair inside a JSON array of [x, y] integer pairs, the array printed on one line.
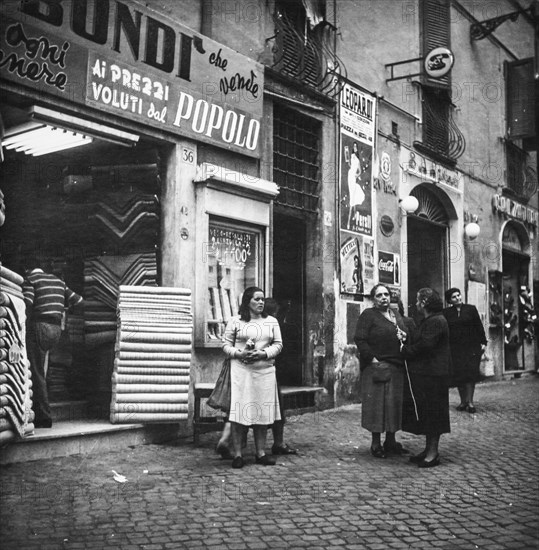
[[234, 262]]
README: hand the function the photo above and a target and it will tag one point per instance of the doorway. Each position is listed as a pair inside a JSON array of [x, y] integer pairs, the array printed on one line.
[[289, 243], [518, 345], [426, 247]]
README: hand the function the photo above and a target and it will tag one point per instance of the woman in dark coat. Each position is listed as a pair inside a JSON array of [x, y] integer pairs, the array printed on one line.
[[378, 337], [467, 341], [426, 410]]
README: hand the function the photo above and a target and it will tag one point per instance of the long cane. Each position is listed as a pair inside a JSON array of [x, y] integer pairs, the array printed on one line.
[[411, 390]]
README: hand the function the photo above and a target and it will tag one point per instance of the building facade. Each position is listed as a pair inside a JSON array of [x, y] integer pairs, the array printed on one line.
[[275, 143]]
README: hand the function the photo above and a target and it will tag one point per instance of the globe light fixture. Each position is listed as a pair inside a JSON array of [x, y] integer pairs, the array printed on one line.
[[409, 204], [472, 230]]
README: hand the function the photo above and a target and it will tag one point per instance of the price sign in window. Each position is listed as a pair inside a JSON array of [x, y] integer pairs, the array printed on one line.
[[234, 263]]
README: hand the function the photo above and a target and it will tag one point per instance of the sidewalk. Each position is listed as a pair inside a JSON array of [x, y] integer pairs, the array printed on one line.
[[334, 493]]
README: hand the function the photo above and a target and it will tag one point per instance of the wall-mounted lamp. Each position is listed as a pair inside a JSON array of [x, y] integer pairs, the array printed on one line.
[[472, 230], [409, 204]]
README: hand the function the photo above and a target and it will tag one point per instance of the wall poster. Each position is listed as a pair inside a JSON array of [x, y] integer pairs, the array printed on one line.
[[357, 133]]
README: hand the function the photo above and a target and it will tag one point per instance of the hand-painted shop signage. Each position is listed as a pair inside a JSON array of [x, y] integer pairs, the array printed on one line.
[[231, 247], [388, 268], [429, 171], [385, 166], [515, 210], [384, 181], [438, 62], [126, 59]]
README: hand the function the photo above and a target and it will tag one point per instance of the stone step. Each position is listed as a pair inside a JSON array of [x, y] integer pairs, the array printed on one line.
[[72, 437]]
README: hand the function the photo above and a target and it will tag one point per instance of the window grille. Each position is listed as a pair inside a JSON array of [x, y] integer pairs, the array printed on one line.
[[296, 159]]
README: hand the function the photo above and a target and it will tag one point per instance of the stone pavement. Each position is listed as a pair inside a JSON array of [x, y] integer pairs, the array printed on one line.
[[485, 494]]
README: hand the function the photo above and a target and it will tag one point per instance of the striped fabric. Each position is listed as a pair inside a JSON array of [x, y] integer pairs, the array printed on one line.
[[150, 382], [48, 294], [15, 380]]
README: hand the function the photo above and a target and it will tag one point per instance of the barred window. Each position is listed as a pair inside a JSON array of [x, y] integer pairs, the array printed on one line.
[[296, 158]]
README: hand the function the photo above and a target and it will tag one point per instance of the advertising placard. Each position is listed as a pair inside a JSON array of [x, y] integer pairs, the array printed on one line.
[[357, 132], [128, 60]]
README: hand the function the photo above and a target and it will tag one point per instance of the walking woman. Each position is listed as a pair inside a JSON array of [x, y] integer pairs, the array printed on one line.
[[378, 337], [468, 342], [426, 410], [252, 341]]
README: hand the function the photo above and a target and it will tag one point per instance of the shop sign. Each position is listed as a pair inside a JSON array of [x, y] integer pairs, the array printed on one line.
[[429, 171], [388, 268], [125, 59], [515, 210], [438, 62], [383, 179]]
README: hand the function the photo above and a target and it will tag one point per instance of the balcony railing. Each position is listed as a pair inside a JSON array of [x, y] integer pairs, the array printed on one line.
[[441, 135], [307, 56]]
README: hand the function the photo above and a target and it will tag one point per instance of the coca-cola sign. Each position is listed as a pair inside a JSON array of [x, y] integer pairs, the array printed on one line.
[[388, 268]]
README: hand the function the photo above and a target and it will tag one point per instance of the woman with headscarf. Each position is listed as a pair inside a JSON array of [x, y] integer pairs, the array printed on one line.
[[426, 407]]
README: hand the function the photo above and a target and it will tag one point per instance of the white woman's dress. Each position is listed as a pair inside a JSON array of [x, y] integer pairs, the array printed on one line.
[[357, 195], [253, 396]]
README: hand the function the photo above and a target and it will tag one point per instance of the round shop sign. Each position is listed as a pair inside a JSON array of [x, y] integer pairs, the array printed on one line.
[[385, 166], [438, 62], [387, 226]]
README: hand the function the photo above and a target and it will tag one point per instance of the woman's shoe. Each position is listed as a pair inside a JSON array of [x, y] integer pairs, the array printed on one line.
[[237, 462], [430, 463], [283, 450], [471, 409], [416, 459], [224, 451], [378, 452], [462, 407], [265, 460], [395, 448]]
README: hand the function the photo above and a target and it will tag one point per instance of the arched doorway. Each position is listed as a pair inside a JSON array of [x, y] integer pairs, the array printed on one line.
[[518, 348], [427, 246]]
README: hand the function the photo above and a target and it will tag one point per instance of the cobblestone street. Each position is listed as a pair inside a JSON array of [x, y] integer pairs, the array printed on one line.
[[485, 494]]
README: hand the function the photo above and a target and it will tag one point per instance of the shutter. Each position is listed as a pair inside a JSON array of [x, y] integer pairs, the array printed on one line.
[[520, 99], [436, 31], [150, 381]]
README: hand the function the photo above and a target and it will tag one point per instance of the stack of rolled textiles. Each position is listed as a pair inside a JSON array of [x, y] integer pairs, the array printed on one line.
[[150, 382], [99, 323], [16, 415]]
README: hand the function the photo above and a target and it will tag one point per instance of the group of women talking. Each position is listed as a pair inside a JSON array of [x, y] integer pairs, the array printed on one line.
[[407, 370]]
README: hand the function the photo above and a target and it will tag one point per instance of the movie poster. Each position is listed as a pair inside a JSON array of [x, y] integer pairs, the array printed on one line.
[[357, 132]]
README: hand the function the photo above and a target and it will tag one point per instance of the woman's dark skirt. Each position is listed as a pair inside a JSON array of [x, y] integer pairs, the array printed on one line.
[[466, 367], [432, 400]]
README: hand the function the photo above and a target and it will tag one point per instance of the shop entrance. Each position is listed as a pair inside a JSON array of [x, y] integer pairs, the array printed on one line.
[[518, 332], [289, 243], [426, 247], [91, 216]]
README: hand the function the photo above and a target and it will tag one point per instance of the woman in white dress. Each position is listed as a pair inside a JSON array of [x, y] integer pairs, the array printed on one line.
[[355, 191], [252, 341]]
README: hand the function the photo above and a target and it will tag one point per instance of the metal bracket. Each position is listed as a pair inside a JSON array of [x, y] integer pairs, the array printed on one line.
[[392, 65], [482, 29]]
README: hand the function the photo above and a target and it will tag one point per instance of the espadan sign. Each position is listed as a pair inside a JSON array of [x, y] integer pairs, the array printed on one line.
[[125, 59]]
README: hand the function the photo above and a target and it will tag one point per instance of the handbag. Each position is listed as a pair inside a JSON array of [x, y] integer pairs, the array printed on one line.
[[220, 396], [381, 373]]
